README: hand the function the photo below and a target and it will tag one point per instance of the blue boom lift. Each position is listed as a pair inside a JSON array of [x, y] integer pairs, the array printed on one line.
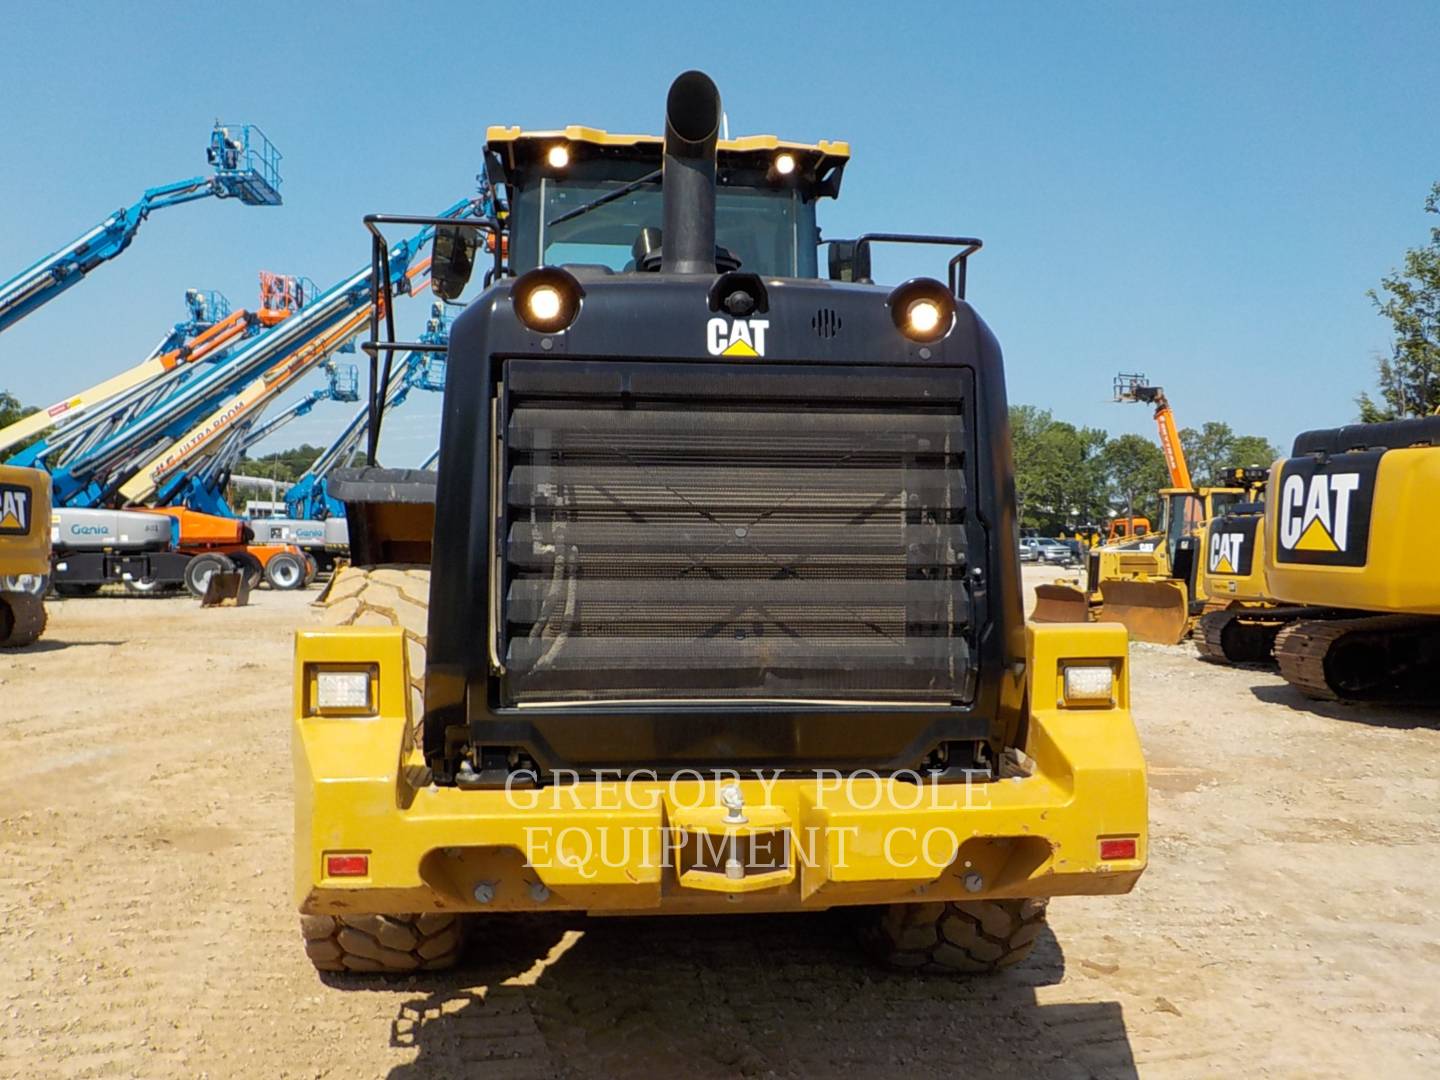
[[246, 166]]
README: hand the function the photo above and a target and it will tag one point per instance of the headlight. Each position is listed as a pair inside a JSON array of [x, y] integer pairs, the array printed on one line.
[[1089, 684], [784, 164], [544, 304], [922, 309], [547, 299], [558, 156], [342, 691]]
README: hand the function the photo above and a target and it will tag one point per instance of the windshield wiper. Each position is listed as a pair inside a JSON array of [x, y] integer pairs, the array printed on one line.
[[608, 197]]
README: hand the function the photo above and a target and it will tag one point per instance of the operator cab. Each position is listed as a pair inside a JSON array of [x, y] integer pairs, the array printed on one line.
[[582, 196]]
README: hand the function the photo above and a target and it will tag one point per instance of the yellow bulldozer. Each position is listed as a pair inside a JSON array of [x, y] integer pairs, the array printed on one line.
[[24, 554]]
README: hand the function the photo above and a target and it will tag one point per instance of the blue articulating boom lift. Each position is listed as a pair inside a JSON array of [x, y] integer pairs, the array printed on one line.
[[202, 487], [73, 426], [309, 498], [246, 166], [191, 417]]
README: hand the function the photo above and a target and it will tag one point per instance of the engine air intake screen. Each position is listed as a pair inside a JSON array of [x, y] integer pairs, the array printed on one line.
[[704, 532]]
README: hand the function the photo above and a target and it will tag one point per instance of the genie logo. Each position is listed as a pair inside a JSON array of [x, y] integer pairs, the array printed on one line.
[[14, 510], [89, 530]]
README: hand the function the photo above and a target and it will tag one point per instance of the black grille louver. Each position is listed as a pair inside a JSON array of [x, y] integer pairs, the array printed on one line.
[[761, 536]]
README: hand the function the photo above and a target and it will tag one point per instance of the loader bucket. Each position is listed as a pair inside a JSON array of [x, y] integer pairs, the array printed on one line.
[[226, 589], [1153, 611], [1060, 603]]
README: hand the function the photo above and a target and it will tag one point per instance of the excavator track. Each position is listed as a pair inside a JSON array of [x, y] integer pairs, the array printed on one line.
[[1381, 658], [1228, 637]]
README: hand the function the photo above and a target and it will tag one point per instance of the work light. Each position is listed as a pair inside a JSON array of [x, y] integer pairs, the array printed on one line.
[[547, 299]]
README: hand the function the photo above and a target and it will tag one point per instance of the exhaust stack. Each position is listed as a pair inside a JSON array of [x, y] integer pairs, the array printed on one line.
[[692, 126]]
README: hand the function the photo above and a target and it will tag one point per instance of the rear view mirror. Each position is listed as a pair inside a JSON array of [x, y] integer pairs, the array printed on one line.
[[452, 259], [849, 261]]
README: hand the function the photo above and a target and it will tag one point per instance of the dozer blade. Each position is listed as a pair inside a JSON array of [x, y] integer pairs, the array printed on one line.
[[1153, 611], [1060, 603], [226, 589]]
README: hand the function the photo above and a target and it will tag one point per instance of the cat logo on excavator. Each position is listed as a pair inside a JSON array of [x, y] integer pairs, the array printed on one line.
[[1232, 548], [1324, 516], [14, 510]]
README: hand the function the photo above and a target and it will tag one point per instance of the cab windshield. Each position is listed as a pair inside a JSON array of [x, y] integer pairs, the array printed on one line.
[[771, 231]]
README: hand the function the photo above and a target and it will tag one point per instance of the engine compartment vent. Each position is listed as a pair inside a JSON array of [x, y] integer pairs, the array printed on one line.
[[702, 532]]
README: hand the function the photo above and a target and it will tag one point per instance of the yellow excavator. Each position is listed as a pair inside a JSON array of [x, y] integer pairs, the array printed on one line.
[[1150, 583], [24, 554], [1350, 521], [1241, 618]]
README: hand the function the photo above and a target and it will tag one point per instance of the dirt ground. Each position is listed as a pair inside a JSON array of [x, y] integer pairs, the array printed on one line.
[[1285, 926]]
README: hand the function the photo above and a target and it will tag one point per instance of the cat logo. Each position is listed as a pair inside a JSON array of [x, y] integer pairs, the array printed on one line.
[[736, 337], [1224, 552], [1232, 546], [14, 510], [1324, 511]]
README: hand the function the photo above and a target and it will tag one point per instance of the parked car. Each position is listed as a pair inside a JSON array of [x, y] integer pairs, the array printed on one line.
[[1027, 551], [1048, 550]]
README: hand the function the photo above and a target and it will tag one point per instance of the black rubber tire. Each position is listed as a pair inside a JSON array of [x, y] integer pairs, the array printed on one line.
[[22, 619], [385, 944], [975, 938], [199, 569], [72, 591], [285, 572], [250, 566], [312, 569]]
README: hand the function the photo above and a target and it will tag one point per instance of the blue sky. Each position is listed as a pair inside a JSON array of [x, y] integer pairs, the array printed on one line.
[[1200, 192]]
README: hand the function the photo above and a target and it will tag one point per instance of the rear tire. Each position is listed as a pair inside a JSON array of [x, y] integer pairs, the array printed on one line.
[[199, 569], [285, 572], [387, 596], [250, 566], [385, 944], [961, 938], [148, 586], [22, 619]]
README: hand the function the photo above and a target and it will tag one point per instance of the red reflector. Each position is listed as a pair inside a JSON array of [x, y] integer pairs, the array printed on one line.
[[347, 865], [1117, 849]]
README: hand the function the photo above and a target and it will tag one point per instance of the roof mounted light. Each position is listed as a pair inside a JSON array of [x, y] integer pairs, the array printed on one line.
[[923, 309], [558, 156], [546, 299]]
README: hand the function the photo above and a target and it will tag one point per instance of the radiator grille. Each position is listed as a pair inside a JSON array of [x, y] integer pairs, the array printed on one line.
[[731, 547]]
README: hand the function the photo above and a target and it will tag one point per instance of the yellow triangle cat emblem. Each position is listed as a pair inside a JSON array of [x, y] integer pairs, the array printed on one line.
[[1315, 538], [9, 521], [1223, 566], [739, 348]]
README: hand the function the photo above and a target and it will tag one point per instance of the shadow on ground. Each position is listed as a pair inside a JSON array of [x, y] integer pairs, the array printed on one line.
[[737, 996], [1404, 717]]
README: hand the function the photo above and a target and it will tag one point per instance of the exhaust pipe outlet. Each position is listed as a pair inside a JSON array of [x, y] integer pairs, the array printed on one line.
[[687, 184]]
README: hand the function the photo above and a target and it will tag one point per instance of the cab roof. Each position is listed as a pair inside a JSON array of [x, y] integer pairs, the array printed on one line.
[[513, 150]]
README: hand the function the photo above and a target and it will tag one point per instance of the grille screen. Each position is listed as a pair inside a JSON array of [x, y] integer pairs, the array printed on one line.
[[719, 546]]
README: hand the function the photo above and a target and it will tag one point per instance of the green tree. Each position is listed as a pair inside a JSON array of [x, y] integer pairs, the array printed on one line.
[[1135, 472], [11, 409], [1409, 378], [1216, 447], [1253, 450], [286, 465], [1060, 477]]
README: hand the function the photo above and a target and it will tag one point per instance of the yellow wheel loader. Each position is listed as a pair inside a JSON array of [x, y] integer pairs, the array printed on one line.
[[1350, 522], [713, 603], [24, 554]]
